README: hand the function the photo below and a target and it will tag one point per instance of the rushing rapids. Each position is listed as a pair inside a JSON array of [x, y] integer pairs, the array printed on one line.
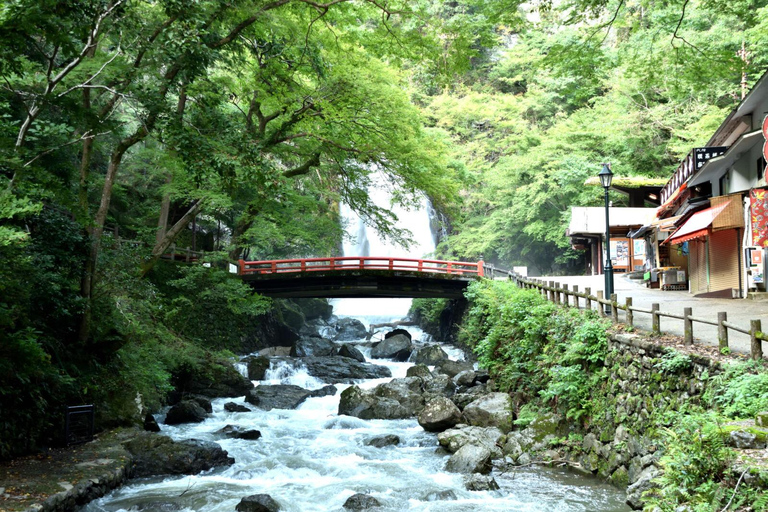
[[312, 459]]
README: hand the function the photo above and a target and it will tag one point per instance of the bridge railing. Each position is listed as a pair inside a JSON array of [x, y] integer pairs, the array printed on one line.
[[361, 263]]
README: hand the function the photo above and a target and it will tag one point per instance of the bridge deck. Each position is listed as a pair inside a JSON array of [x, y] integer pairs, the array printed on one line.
[[360, 277]]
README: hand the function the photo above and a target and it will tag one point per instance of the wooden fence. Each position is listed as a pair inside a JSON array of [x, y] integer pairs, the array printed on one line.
[[561, 294]]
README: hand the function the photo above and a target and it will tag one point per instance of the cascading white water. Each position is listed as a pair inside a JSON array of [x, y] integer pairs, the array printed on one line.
[[312, 459], [366, 242]]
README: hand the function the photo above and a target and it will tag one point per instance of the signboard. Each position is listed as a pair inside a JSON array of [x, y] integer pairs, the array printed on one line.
[[703, 154], [754, 265]]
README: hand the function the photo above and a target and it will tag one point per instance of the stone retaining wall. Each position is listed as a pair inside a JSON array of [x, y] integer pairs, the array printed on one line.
[[620, 445]]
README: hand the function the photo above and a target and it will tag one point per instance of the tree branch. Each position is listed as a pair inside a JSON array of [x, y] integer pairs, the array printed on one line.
[[314, 161], [87, 135]]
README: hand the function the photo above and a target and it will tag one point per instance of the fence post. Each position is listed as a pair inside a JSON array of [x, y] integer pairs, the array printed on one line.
[[552, 291], [480, 269], [241, 266], [722, 330], [187, 255], [588, 293], [615, 308], [557, 293], [600, 307], [756, 347], [688, 325], [630, 313], [655, 318], [566, 299], [576, 296]]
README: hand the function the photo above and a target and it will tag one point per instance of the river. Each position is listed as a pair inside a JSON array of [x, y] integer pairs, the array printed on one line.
[[312, 459]]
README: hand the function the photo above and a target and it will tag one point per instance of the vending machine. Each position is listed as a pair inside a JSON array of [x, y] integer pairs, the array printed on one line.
[[756, 259]]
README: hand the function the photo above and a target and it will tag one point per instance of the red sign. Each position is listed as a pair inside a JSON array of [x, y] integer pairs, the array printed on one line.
[[765, 127], [757, 257]]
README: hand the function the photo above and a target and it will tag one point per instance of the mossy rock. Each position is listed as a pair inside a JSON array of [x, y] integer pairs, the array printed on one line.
[[544, 425], [291, 315], [761, 419], [620, 477]]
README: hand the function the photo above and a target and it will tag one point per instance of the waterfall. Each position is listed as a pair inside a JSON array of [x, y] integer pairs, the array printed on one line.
[[418, 219]]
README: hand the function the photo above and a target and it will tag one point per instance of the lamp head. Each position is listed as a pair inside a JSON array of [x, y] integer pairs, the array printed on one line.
[[606, 176]]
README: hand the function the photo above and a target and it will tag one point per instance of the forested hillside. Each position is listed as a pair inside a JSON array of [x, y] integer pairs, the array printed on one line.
[[636, 84], [129, 127]]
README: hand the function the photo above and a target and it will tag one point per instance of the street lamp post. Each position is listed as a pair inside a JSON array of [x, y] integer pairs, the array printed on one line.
[[606, 176]]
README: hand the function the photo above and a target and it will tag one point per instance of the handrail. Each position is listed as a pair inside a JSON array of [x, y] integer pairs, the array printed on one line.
[[553, 292], [360, 263]]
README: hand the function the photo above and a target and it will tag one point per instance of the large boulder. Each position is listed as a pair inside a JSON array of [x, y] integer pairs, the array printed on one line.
[[397, 347], [470, 458], [343, 369], [643, 484], [439, 414], [452, 368], [150, 423], [212, 378], [429, 355], [290, 314], [361, 502], [463, 397], [307, 346], [155, 455], [235, 432], [453, 439], [366, 405], [439, 385], [407, 391], [478, 482], [257, 367], [350, 329], [419, 370], [491, 410], [395, 332], [234, 407], [258, 503], [383, 440], [347, 350], [315, 308], [281, 396], [186, 411]]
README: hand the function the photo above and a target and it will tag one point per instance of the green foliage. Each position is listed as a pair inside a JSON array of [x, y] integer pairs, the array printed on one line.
[[674, 362], [428, 311], [536, 349], [212, 306], [741, 391], [695, 458]]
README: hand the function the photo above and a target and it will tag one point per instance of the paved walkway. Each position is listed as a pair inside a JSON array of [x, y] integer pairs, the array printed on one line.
[[740, 311]]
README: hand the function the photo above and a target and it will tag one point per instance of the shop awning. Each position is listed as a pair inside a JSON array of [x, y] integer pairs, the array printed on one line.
[[697, 226]]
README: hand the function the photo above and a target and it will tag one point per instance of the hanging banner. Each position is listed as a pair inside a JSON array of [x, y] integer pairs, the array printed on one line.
[[758, 209]]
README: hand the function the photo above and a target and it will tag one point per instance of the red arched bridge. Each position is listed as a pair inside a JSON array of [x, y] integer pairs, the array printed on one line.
[[363, 276]]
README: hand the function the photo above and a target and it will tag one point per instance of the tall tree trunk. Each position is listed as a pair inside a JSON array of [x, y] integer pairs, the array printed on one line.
[[161, 246], [165, 208], [98, 226]]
